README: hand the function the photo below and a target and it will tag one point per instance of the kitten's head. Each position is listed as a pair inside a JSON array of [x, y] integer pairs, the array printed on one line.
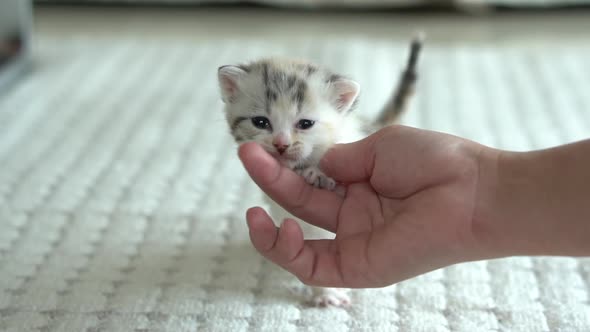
[[292, 109]]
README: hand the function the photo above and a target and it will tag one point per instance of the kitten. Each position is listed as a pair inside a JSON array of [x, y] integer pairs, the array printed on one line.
[[296, 111]]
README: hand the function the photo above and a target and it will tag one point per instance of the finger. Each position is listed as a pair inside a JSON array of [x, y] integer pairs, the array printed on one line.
[[263, 232], [316, 206], [313, 262], [351, 162]]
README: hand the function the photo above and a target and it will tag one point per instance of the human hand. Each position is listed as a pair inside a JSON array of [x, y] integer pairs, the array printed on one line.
[[409, 209]]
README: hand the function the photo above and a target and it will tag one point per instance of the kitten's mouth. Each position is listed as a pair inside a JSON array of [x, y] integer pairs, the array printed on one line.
[[292, 162], [285, 159]]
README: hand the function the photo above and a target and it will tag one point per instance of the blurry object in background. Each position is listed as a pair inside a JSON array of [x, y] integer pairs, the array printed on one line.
[[15, 31], [10, 47], [472, 6]]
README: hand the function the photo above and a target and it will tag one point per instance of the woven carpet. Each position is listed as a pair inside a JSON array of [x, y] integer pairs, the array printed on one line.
[[122, 199]]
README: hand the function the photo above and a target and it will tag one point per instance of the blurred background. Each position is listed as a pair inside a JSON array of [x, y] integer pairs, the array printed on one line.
[[470, 22], [122, 200]]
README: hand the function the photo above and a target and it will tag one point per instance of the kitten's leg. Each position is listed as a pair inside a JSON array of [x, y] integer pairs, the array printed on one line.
[[331, 297], [325, 296], [321, 296], [314, 176]]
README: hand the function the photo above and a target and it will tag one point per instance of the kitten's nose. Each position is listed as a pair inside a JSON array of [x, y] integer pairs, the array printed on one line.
[[281, 148]]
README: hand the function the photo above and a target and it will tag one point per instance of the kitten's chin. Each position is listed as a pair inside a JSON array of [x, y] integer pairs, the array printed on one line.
[[290, 163], [286, 160]]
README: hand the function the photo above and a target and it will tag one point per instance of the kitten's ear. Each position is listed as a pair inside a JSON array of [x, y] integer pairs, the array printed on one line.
[[229, 78], [344, 93]]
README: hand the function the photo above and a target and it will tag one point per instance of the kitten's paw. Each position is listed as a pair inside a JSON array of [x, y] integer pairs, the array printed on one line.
[[314, 176], [331, 297]]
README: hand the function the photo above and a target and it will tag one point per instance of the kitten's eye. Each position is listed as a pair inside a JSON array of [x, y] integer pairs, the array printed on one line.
[[261, 122], [305, 124]]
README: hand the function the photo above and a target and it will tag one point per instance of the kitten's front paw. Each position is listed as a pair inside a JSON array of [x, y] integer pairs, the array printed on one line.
[[314, 176], [331, 297]]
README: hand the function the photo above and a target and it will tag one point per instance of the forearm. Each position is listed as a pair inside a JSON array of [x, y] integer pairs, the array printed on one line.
[[536, 203]]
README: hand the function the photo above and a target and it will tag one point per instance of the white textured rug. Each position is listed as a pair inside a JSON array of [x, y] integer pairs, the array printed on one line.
[[122, 200]]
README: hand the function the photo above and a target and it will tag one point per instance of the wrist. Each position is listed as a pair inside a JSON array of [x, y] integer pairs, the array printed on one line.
[[533, 203], [486, 230], [506, 204]]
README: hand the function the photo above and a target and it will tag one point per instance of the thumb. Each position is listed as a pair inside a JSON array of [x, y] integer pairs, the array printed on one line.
[[352, 162]]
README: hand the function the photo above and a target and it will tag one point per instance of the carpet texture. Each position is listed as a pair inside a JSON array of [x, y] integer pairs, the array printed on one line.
[[122, 200]]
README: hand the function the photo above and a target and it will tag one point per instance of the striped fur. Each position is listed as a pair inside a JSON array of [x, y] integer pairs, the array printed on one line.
[[285, 92], [404, 90]]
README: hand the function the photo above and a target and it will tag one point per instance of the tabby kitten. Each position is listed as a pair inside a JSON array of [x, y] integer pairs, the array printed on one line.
[[296, 111]]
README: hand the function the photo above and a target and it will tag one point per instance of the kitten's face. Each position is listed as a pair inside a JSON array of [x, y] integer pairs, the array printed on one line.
[[293, 110]]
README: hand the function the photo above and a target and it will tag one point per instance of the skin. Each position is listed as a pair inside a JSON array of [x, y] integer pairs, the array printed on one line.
[[417, 201]]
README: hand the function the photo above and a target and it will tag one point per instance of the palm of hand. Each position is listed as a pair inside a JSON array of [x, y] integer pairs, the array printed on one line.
[[402, 215], [381, 238]]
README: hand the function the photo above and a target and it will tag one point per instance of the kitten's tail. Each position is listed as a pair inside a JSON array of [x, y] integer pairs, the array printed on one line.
[[405, 87]]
